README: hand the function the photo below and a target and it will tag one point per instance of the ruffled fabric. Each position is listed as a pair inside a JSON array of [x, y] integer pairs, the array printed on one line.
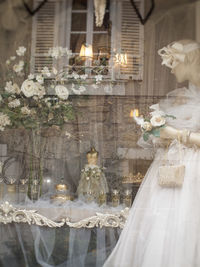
[[163, 225]]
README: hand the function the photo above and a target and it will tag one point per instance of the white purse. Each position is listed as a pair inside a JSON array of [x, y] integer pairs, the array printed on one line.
[[171, 175]]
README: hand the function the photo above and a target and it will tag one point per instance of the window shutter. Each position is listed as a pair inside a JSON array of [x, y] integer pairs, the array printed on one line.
[[131, 41], [44, 34]]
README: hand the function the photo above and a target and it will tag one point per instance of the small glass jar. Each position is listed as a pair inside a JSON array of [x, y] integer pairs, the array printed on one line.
[[102, 198], [11, 187], [23, 189], [127, 198], [115, 198], [62, 193]]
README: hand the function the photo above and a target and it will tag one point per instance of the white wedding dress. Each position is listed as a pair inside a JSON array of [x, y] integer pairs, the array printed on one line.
[[163, 227]]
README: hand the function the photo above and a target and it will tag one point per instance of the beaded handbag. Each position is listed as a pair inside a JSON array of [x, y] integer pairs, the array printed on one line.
[[171, 175]]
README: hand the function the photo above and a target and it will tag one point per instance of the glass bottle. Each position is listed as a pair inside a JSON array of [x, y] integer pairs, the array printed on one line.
[[115, 198], [35, 190], [127, 198]]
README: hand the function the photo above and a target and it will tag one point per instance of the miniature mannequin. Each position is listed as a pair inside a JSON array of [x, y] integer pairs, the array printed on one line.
[[93, 181]]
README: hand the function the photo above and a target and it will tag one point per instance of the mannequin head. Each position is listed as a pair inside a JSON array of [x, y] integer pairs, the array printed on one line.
[[183, 57]]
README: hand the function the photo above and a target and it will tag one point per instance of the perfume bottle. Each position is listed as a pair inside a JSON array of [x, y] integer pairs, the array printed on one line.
[[102, 198], [35, 190], [115, 198], [127, 198]]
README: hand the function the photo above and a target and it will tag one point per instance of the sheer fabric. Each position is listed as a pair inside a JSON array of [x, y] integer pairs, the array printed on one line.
[[163, 223]]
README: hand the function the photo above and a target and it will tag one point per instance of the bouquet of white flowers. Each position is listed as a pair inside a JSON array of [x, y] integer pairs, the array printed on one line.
[[41, 100], [154, 123]]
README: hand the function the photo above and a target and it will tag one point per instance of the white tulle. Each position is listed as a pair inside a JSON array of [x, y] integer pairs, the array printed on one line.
[[164, 223]]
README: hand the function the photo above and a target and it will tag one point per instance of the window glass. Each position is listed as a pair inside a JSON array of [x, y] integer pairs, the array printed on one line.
[[79, 4], [76, 41], [78, 22]]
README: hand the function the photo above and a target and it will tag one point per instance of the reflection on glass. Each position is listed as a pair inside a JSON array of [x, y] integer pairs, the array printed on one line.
[[101, 40], [78, 22], [106, 23], [79, 4], [76, 42]]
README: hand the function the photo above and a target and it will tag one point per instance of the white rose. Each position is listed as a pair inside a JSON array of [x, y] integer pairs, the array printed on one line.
[[12, 88], [9, 88], [147, 126], [15, 103], [157, 121], [25, 110], [21, 51], [7, 62], [17, 68], [4, 121], [40, 79], [16, 88], [29, 88], [13, 58], [40, 91], [62, 92], [31, 76]]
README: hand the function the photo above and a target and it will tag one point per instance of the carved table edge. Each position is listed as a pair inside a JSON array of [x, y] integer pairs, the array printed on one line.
[[11, 214]]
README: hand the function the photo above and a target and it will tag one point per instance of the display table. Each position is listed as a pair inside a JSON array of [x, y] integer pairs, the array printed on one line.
[[46, 234]]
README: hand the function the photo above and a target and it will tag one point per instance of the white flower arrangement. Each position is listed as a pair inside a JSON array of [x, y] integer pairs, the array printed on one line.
[[25, 93], [25, 101], [152, 125]]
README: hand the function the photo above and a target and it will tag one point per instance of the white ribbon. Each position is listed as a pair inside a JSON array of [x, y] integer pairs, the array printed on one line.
[[175, 53]]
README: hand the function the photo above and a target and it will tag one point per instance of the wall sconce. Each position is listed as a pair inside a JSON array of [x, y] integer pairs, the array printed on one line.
[[121, 59], [86, 51], [134, 113]]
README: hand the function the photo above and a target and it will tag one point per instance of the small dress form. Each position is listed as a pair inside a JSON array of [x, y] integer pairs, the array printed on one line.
[[92, 183]]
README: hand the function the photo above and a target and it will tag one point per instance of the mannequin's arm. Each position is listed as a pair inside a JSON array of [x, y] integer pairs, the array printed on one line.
[[171, 133]]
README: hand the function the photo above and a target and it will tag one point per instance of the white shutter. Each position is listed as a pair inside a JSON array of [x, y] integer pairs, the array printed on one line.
[[44, 34], [131, 41]]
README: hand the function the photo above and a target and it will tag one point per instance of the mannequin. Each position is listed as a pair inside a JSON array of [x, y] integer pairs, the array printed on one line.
[[163, 222], [186, 70], [93, 182]]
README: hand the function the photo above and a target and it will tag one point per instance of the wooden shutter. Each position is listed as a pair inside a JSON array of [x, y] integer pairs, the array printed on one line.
[[44, 34], [129, 40]]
